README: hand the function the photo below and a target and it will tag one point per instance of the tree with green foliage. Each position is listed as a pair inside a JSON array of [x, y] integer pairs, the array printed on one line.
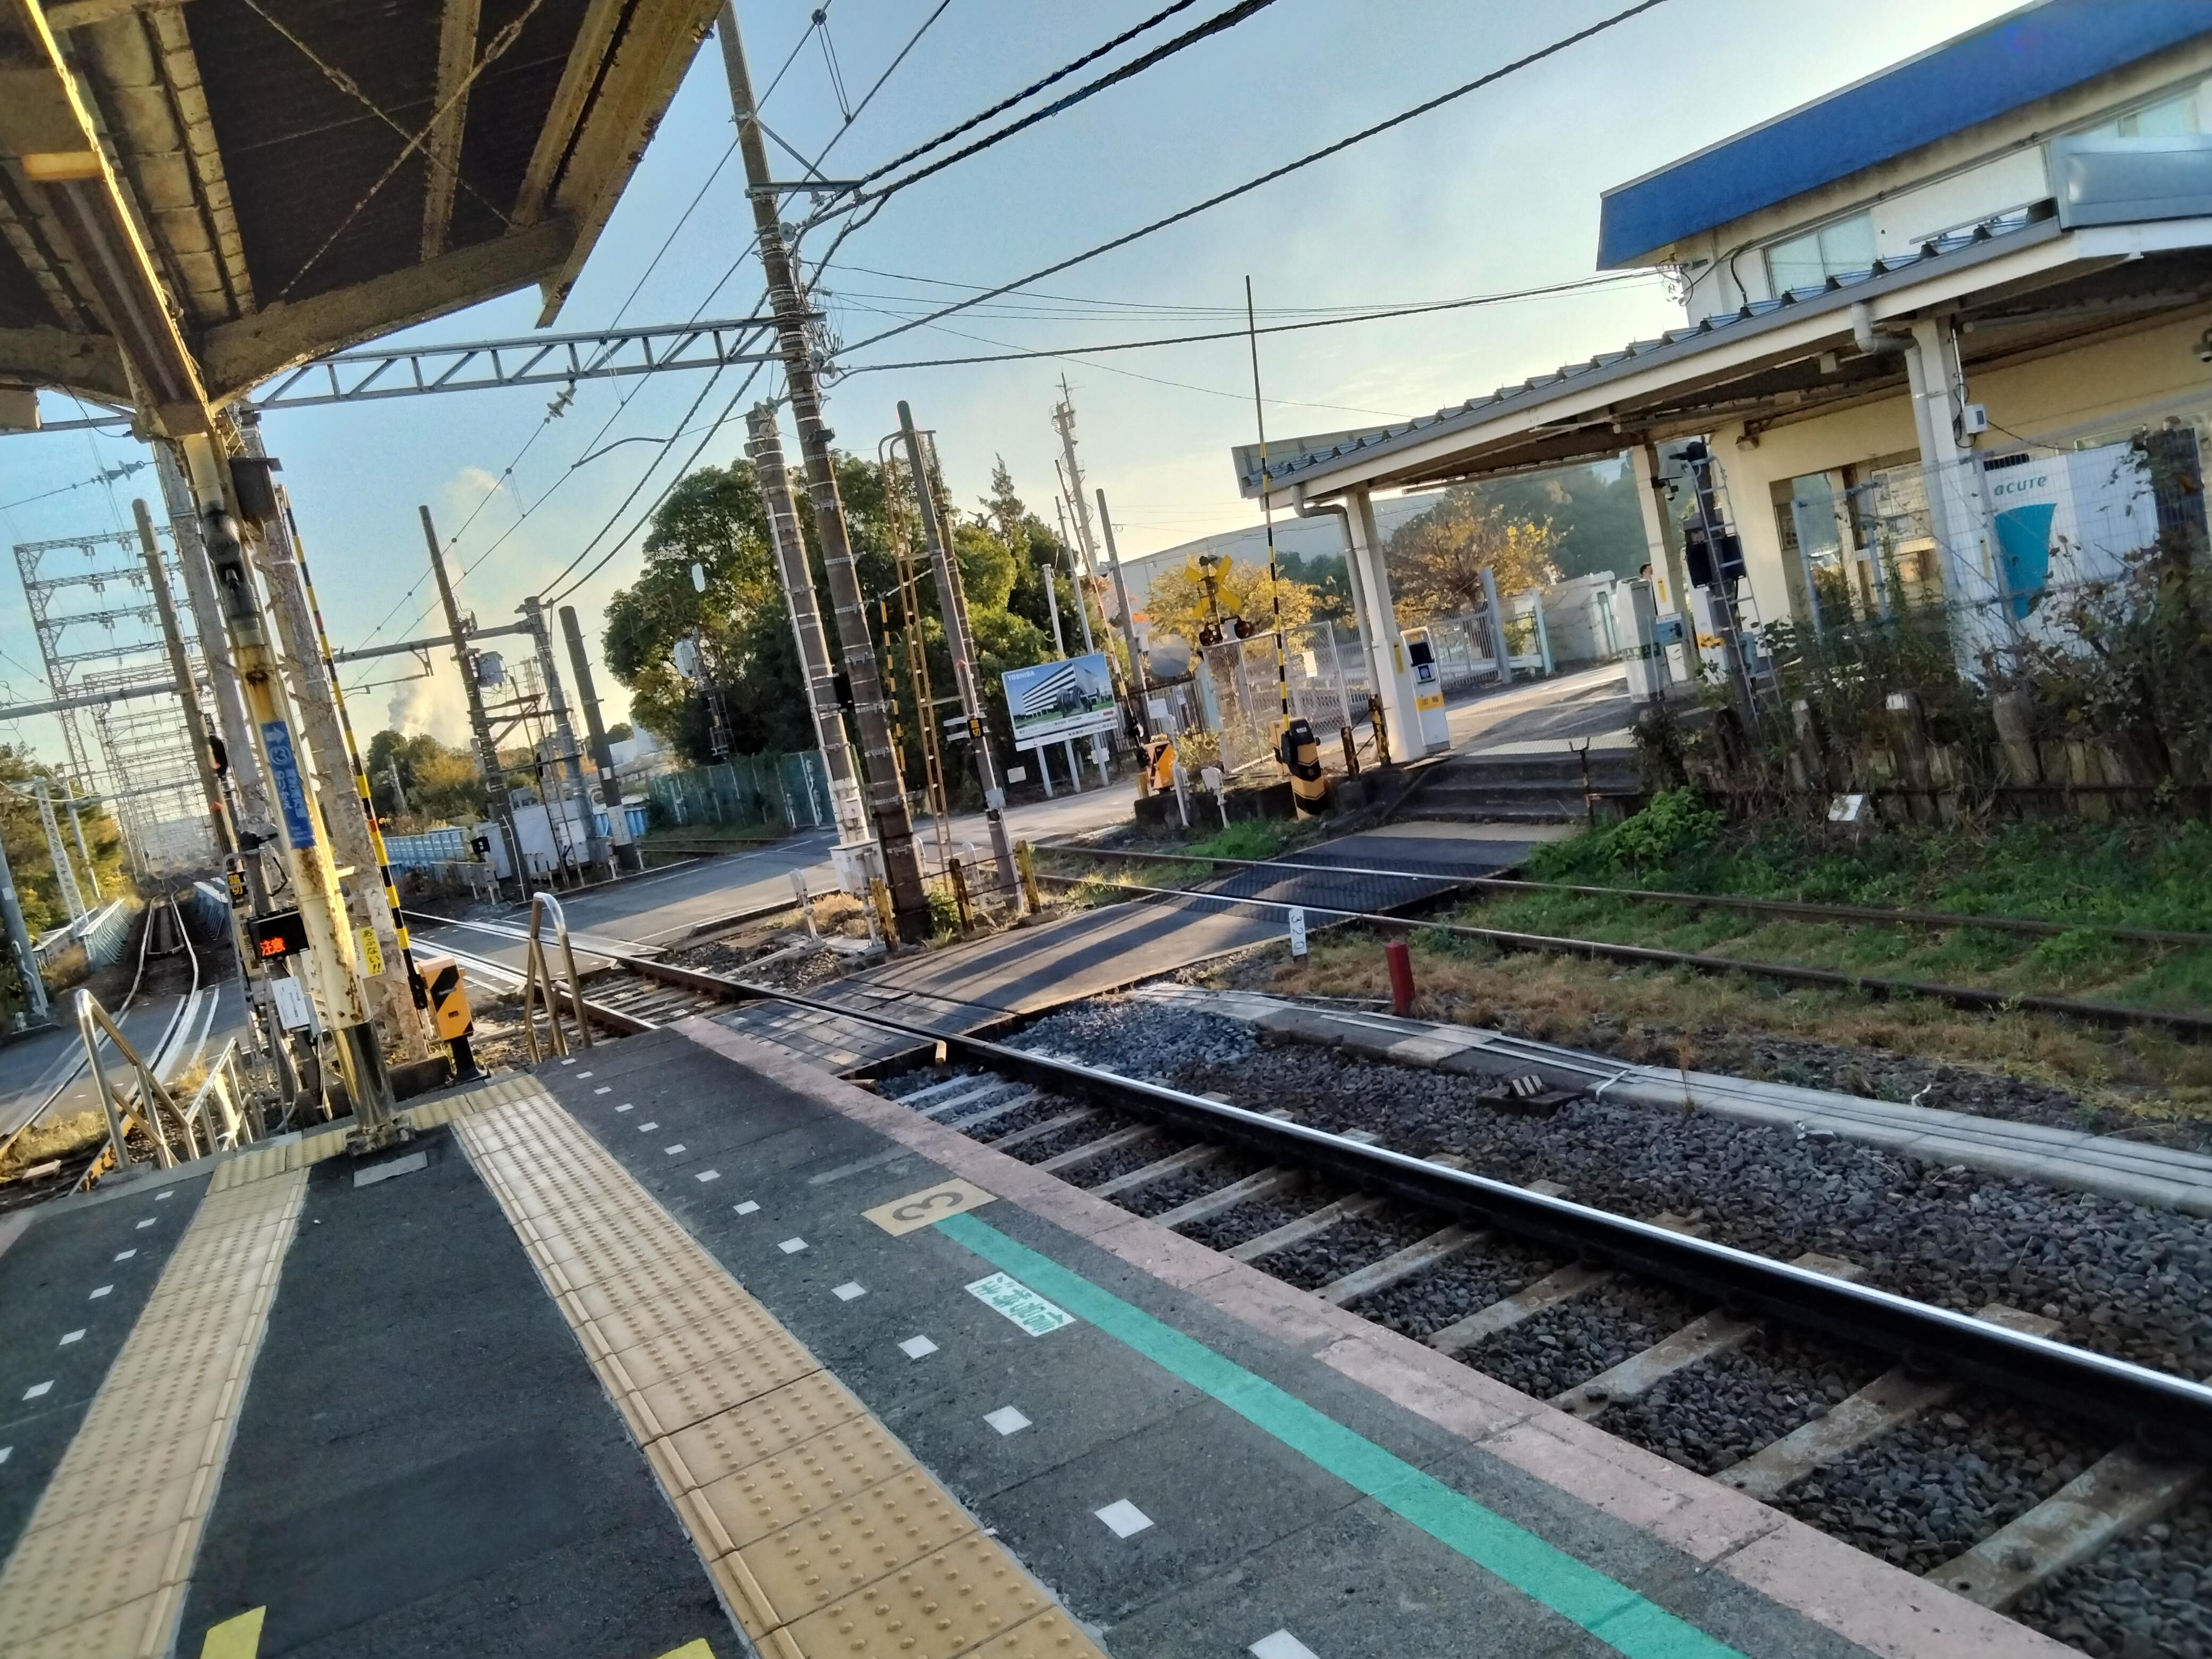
[[38, 888], [716, 518], [440, 783]]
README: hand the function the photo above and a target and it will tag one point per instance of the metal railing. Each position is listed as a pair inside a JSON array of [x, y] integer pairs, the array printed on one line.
[[538, 982], [224, 1089], [94, 1022]]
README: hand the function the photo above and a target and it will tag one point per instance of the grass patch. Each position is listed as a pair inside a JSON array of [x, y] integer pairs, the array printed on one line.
[[2083, 876], [55, 1137]]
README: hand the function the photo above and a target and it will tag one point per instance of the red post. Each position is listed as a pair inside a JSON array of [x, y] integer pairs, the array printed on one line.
[[1401, 976]]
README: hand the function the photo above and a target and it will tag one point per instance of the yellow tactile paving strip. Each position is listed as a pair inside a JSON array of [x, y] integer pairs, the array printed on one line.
[[100, 1571], [825, 1535]]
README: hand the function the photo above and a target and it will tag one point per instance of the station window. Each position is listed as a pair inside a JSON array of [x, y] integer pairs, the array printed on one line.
[[2169, 117], [1833, 250]]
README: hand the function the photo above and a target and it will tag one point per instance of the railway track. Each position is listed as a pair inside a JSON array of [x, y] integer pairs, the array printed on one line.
[[162, 934], [1812, 1378], [1403, 899], [1972, 1445]]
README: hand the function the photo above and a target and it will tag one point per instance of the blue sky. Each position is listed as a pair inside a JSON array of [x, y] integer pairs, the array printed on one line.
[[1496, 191]]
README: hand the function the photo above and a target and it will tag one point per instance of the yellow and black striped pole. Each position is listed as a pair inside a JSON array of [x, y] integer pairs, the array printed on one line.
[[354, 758], [1267, 516]]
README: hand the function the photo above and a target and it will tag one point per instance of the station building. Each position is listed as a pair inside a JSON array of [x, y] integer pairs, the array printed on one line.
[[1943, 326]]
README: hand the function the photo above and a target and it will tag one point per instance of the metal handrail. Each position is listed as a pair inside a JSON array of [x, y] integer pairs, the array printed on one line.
[[92, 1022], [538, 981], [222, 1083]]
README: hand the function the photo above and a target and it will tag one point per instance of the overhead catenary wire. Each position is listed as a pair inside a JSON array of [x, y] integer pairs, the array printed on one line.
[[1027, 91], [1489, 78], [1577, 285], [1219, 23]]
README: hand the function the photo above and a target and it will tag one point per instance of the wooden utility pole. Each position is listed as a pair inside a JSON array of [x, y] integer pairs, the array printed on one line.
[[886, 800]]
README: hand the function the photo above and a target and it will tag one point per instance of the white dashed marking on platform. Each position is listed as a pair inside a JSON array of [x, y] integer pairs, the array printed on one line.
[[670, 1152], [917, 1347], [1281, 1645], [604, 1088], [580, 1076], [646, 1128], [38, 1388], [707, 1175], [125, 1255], [1006, 1420], [1125, 1518], [792, 1245], [570, 1061], [148, 1222], [159, 1196], [627, 1105], [69, 1337], [99, 1293], [4, 1451], [746, 1208], [850, 1290]]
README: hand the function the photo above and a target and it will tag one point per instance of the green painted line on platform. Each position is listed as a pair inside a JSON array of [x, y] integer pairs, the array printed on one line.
[[1608, 1609]]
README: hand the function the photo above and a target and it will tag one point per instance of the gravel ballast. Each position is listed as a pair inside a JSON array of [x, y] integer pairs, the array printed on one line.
[[2148, 1597]]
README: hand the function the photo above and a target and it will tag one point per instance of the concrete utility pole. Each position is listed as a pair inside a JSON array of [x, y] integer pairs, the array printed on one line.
[[65, 874], [181, 665], [626, 855], [567, 760], [1129, 624], [499, 806], [1063, 421], [216, 485], [232, 720], [887, 800], [399, 789], [19, 941], [952, 607], [764, 447], [345, 814]]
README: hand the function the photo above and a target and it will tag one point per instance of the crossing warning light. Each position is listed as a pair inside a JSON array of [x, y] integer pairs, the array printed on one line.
[[1302, 754]]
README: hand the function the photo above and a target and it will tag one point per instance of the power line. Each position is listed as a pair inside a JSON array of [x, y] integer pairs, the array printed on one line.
[[1580, 285], [1215, 25], [623, 401], [1029, 91], [1287, 168], [1154, 380], [653, 507], [822, 155]]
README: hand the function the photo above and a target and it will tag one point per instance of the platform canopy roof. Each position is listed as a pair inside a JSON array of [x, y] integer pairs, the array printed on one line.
[[194, 194], [2020, 286]]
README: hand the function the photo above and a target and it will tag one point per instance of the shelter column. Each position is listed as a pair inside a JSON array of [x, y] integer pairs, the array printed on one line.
[[1669, 584], [1976, 607], [1392, 677]]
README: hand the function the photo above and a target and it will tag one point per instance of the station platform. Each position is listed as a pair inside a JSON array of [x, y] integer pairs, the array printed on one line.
[[684, 1348]]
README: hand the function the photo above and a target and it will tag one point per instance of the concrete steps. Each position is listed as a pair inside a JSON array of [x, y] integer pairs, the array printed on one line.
[[1528, 788]]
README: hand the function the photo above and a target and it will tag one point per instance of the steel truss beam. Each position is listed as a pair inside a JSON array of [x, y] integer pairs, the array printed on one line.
[[348, 377]]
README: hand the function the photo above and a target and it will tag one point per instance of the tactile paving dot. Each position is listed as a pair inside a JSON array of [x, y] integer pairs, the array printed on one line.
[[778, 1491], [1050, 1635], [836, 1551], [734, 1440], [945, 1603], [648, 1356], [679, 1401]]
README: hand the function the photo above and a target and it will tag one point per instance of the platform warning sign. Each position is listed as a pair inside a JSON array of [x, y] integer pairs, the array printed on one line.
[[1020, 1304]]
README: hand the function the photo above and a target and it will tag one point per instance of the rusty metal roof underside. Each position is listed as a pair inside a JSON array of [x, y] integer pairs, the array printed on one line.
[[194, 194]]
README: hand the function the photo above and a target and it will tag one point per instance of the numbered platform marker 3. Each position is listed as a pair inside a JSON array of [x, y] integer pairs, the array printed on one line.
[[931, 1204]]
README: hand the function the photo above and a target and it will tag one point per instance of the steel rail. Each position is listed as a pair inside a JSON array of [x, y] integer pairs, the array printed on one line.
[[2160, 1411], [2163, 1411], [1957, 996], [1808, 909]]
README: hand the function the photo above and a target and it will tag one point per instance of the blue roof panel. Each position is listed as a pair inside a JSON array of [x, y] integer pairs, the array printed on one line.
[[2020, 57]]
